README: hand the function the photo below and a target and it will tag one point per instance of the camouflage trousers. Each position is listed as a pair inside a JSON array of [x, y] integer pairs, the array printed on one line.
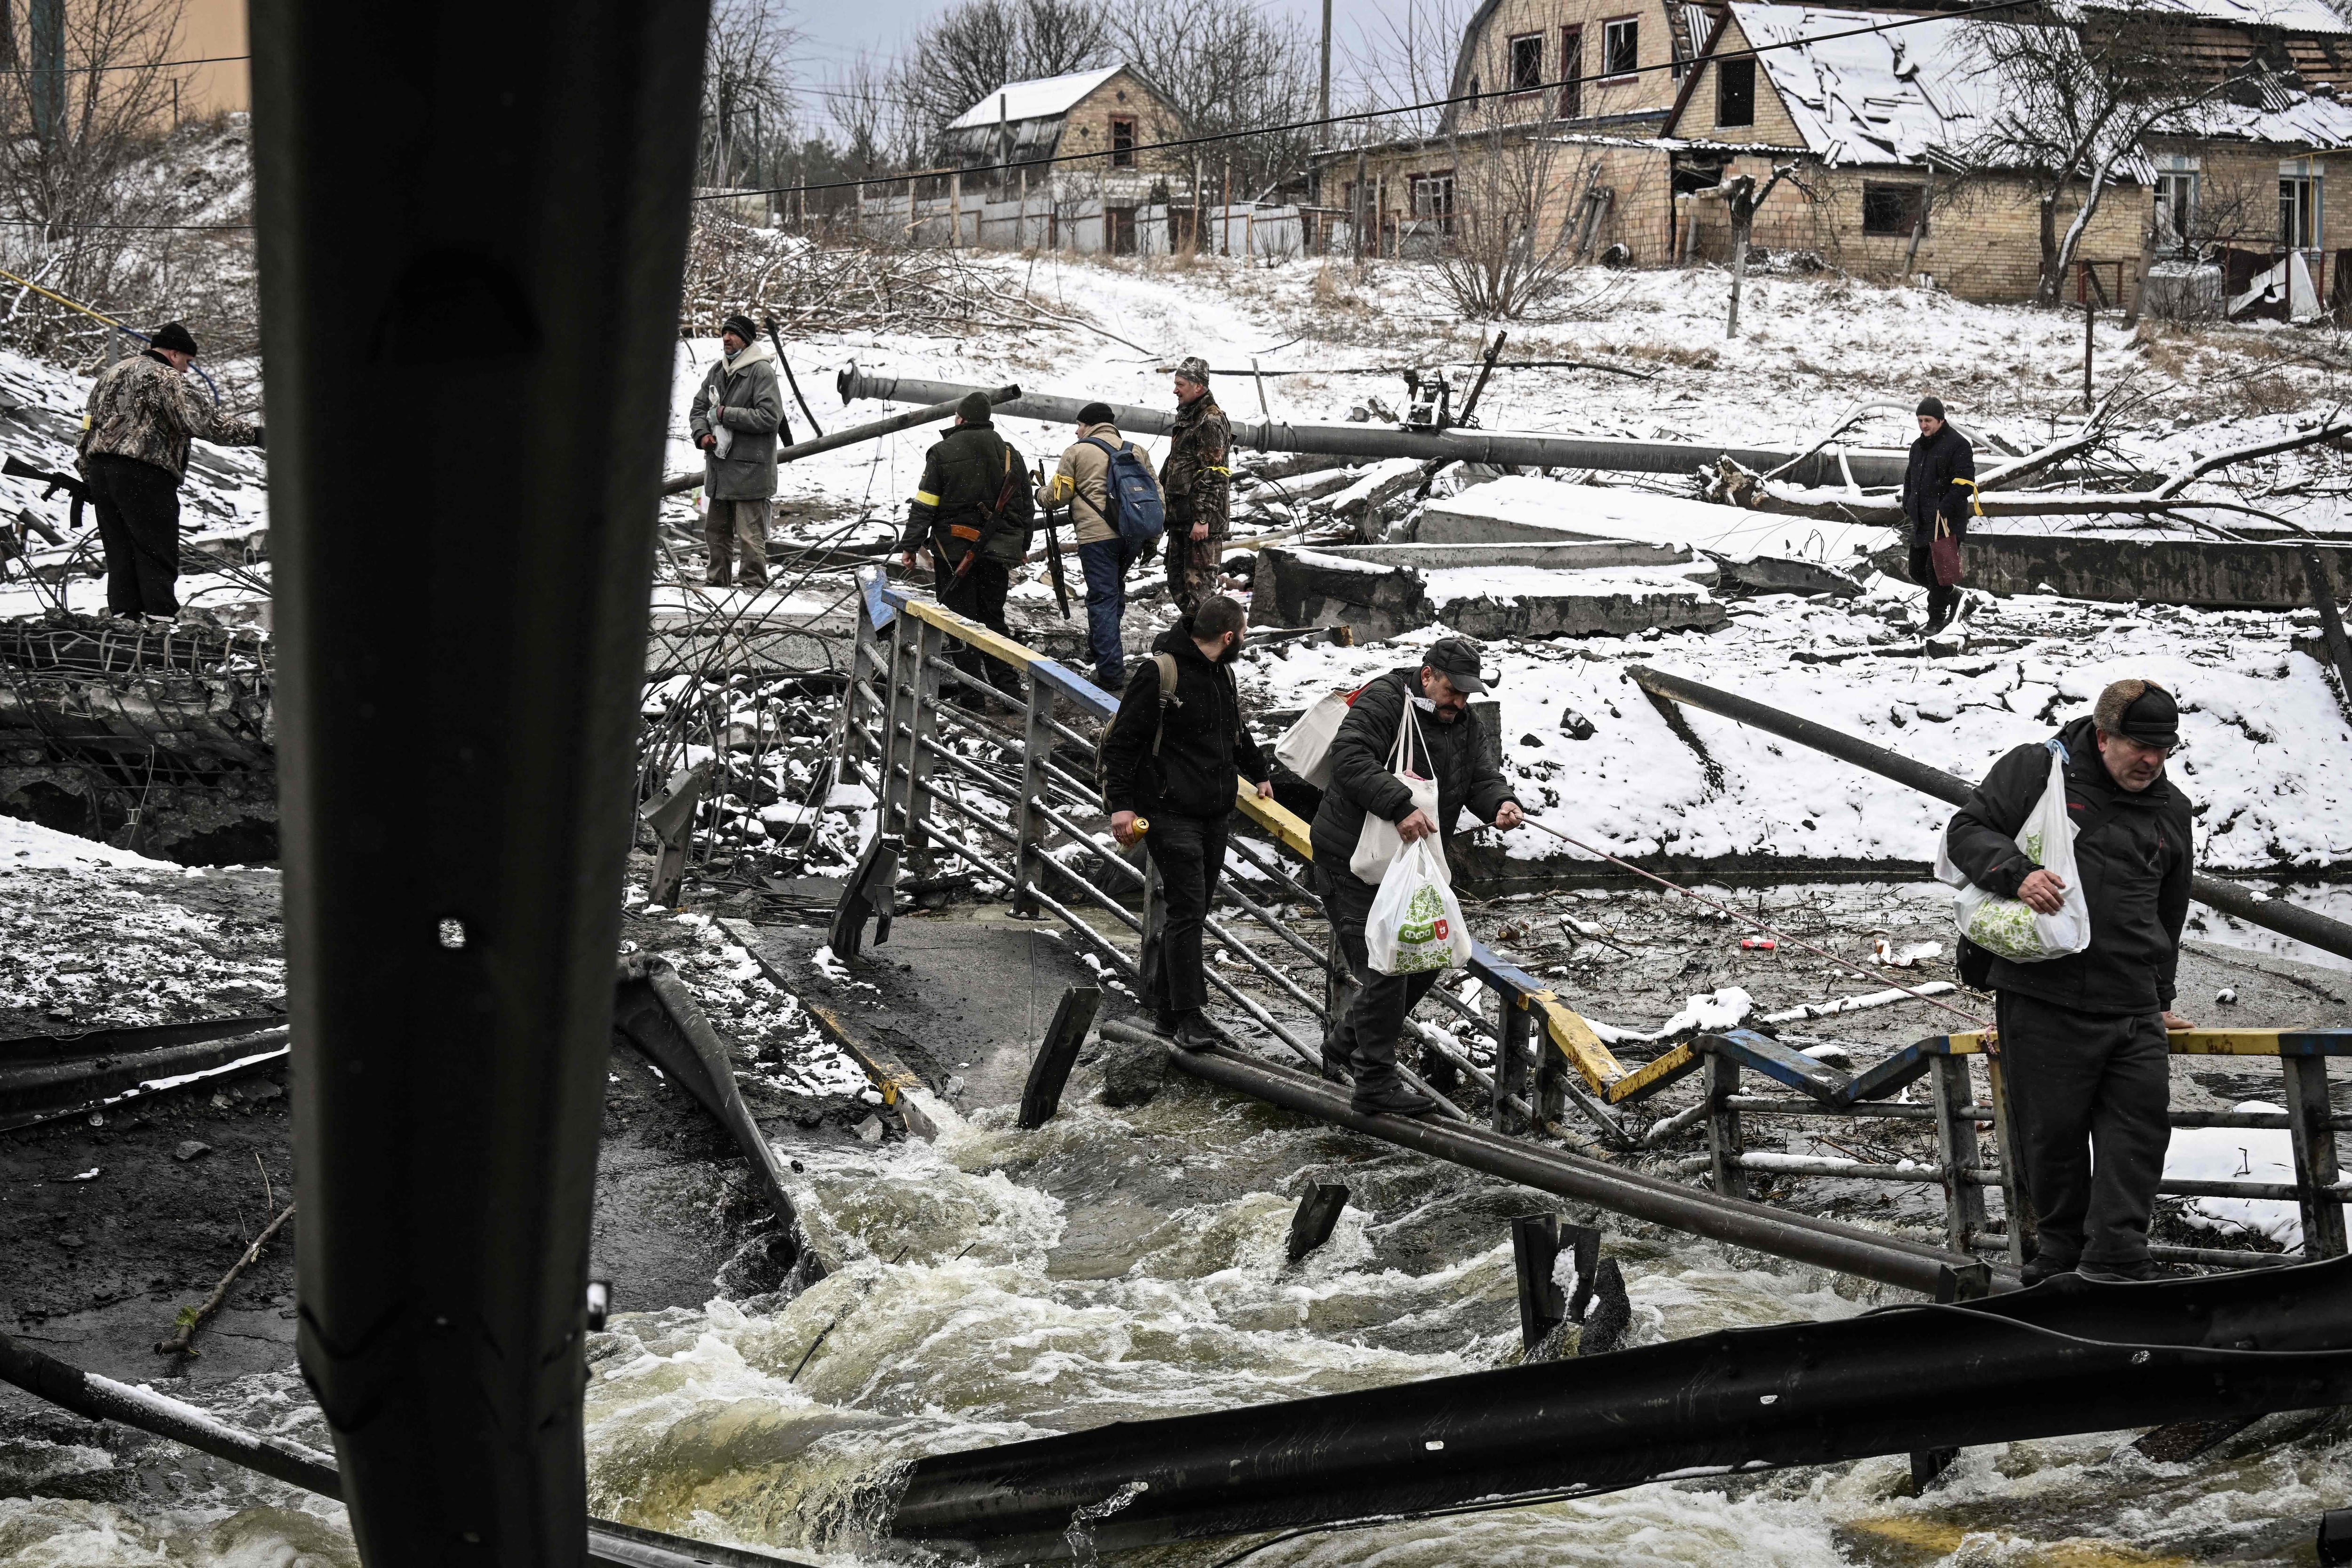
[[1191, 566]]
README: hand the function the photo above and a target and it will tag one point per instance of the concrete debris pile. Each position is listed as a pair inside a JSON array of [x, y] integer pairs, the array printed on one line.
[[158, 737]]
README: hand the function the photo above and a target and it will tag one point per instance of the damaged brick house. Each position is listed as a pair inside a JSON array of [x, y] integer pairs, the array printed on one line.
[[1885, 131]]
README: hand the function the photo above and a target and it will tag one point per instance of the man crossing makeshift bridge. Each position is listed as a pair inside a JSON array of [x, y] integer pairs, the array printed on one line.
[[2082, 1036], [1434, 698]]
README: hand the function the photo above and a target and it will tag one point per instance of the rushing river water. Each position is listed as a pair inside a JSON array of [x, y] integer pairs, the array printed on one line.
[[1130, 1263]]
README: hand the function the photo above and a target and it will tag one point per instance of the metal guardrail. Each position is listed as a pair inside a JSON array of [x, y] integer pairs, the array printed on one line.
[[920, 756]]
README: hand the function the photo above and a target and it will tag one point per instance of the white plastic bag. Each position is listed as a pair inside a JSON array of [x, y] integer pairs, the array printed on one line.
[[1416, 923], [1378, 843], [1305, 747], [2011, 928]]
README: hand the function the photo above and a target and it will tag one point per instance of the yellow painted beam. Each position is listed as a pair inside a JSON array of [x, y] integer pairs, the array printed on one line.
[[1567, 1030], [888, 1074], [1289, 829], [2228, 1042], [1633, 1085], [972, 632]]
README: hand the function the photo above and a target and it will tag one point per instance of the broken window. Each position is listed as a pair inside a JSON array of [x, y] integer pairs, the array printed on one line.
[[1526, 62], [1571, 68], [2176, 211], [1122, 144], [1433, 198], [1890, 209], [1621, 46], [2298, 212], [1735, 92]]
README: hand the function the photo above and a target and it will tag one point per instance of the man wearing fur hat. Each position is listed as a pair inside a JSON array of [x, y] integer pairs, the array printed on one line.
[[135, 451], [1197, 486], [735, 419], [2081, 1038]]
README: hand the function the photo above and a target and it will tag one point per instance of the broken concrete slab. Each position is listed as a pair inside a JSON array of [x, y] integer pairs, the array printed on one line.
[[1558, 556], [2132, 566], [1297, 587], [1519, 507], [1782, 575]]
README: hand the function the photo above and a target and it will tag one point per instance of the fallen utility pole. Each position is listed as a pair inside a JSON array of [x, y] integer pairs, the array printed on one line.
[[1849, 1249], [678, 484], [1372, 441], [2272, 914], [100, 1398], [2066, 1358]]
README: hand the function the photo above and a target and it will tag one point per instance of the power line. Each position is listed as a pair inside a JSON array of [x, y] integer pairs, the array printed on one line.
[[134, 66], [1361, 114]]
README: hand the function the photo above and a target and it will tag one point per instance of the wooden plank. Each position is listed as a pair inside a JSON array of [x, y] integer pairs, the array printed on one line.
[[1288, 829], [1653, 1075], [972, 632], [1779, 1063]]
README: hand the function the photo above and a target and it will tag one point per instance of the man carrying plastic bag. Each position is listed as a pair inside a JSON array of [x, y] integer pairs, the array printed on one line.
[[2083, 1025], [1429, 705]]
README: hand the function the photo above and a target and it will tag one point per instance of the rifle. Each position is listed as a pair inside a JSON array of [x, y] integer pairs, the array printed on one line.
[[988, 530], [17, 468], [1053, 550]]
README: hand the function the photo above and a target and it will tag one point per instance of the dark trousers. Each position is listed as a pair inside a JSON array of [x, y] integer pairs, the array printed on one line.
[[1105, 563], [139, 524], [1189, 853], [978, 596], [1941, 600], [1363, 1039], [2087, 1094]]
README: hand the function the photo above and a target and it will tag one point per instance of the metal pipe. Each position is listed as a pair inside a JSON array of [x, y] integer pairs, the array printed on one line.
[[1849, 1249], [2272, 914], [678, 484], [1371, 441], [2035, 1364]]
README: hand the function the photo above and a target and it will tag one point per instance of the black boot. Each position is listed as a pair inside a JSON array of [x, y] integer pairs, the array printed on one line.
[[1335, 1064], [1193, 1031], [1400, 1100]]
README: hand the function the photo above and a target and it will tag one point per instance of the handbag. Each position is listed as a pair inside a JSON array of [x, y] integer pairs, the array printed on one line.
[[1944, 554], [1379, 842]]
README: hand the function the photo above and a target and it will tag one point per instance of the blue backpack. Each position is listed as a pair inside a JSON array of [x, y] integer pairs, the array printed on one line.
[[1136, 511]]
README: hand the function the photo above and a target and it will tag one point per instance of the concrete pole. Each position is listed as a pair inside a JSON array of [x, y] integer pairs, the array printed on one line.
[[1323, 99]]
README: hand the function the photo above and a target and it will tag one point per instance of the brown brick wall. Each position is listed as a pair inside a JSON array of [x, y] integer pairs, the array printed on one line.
[[1774, 127], [1550, 19], [1087, 128]]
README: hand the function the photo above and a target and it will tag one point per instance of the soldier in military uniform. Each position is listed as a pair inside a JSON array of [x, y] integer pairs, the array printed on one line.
[[974, 510], [1198, 488]]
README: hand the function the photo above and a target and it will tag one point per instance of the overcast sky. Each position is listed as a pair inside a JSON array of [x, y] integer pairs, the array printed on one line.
[[835, 32]]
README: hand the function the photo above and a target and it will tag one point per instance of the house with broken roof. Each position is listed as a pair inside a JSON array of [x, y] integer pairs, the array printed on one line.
[[1884, 127]]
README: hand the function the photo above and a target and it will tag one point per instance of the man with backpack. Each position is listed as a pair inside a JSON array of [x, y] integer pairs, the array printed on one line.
[[973, 510], [1171, 760], [1115, 505], [1433, 699], [2081, 1037]]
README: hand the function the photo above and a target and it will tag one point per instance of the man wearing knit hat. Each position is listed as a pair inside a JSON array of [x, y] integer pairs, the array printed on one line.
[[141, 417], [2081, 1037], [1197, 486], [1082, 483], [1939, 488], [973, 511], [735, 420]]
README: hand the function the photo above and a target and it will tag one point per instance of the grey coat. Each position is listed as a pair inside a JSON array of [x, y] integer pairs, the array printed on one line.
[[754, 412]]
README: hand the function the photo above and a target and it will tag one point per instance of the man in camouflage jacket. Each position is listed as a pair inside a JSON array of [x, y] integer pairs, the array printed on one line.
[[1197, 486], [141, 415]]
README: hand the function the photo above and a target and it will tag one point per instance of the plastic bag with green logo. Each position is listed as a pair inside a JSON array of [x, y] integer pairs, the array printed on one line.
[[2010, 927], [1416, 923]]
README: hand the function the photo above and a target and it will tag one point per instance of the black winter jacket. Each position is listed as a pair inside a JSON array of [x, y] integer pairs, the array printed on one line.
[[963, 474], [1361, 781], [1205, 748], [1927, 487], [2133, 869]]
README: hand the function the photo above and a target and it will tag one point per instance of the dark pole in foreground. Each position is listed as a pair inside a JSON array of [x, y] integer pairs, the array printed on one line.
[[472, 222]]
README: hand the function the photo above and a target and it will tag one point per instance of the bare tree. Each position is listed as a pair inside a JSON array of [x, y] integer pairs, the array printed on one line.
[[1059, 36], [1504, 252], [878, 131], [1408, 55], [2069, 103], [747, 87], [1229, 70]]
